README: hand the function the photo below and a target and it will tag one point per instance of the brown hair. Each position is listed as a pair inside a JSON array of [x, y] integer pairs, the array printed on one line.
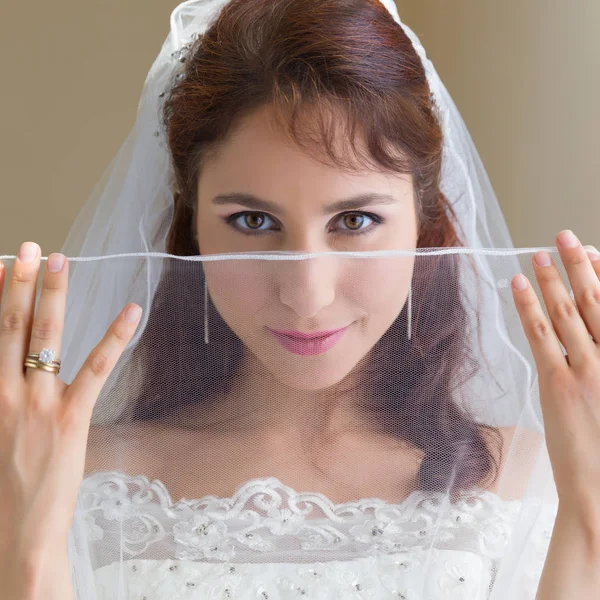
[[344, 58]]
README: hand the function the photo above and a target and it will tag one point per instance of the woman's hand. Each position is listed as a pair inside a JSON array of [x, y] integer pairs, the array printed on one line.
[[44, 423], [569, 384]]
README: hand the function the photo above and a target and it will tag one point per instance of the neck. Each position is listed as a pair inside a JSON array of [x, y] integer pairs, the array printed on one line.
[[258, 402]]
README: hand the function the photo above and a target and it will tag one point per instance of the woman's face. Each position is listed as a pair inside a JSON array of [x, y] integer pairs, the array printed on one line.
[[262, 193]]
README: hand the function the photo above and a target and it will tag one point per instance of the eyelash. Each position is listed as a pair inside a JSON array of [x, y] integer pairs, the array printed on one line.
[[230, 220]]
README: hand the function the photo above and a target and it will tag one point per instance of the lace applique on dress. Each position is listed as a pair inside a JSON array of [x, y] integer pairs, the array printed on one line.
[[269, 537]]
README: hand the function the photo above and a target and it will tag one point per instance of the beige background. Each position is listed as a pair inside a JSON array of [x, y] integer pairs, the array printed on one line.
[[524, 76]]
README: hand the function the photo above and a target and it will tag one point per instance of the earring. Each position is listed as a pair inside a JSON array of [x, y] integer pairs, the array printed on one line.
[[409, 309], [205, 313]]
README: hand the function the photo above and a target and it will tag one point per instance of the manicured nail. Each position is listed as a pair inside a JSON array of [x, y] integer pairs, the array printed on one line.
[[519, 282], [567, 239], [55, 263], [28, 251], [543, 259], [133, 313]]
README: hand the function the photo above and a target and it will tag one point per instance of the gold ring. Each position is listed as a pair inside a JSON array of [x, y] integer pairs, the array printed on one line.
[[34, 364], [42, 366], [46, 359]]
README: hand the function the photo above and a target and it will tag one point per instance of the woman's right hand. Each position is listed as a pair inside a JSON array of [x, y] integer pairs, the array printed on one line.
[[44, 424]]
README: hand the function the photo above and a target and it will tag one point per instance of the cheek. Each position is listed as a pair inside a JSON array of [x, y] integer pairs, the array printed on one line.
[[379, 286], [239, 289]]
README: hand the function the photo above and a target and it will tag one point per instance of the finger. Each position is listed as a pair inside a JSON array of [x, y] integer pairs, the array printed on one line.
[[48, 322], [17, 312], [583, 280], [544, 344], [2, 278], [594, 257], [83, 392], [563, 312]]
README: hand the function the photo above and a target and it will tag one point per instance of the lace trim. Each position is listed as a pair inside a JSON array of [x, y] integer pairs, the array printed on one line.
[[142, 490], [266, 517]]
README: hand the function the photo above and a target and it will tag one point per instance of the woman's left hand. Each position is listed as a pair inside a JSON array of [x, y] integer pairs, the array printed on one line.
[[569, 384]]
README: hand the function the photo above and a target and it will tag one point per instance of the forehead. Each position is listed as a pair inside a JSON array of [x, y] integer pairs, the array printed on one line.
[[259, 158]]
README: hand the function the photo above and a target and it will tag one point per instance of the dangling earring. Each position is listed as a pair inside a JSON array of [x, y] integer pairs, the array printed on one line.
[[205, 313], [409, 309], [195, 235]]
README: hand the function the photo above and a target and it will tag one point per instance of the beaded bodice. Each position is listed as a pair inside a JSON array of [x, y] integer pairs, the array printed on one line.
[[269, 541]]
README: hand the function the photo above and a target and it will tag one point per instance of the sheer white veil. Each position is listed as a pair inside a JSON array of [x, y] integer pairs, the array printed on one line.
[[130, 210], [131, 207]]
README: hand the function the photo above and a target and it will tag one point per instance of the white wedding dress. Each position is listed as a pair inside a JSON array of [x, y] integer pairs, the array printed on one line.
[[270, 542]]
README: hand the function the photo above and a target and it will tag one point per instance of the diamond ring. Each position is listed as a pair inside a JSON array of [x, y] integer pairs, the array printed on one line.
[[44, 360]]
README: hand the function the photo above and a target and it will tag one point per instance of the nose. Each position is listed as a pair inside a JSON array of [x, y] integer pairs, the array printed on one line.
[[307, 285]]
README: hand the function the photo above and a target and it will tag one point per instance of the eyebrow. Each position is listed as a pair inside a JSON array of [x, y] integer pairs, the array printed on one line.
[[254, 203]]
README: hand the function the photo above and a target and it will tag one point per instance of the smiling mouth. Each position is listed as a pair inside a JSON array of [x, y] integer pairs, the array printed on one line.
[[307, 336], [309, 344]]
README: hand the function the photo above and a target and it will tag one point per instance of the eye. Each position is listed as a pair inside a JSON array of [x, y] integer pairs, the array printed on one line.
[[249, 222], [353, 222], [253, 223]]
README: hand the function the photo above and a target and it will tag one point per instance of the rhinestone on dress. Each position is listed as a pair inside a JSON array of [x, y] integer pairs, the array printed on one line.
[[47, 356]]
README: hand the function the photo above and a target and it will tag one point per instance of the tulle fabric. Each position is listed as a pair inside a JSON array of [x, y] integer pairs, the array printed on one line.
[[181, 471], [190, 491]]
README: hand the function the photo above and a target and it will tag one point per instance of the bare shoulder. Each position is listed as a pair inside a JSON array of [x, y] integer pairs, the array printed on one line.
[[519, 451]]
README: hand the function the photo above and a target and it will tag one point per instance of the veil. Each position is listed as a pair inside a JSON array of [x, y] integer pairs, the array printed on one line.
[[195, 507]]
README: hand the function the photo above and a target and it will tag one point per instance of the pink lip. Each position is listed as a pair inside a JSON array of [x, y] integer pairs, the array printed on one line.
[[309, 344], [307, 336]]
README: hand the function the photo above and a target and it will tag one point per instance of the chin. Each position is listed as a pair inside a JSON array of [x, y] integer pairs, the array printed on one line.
[[311, 373]]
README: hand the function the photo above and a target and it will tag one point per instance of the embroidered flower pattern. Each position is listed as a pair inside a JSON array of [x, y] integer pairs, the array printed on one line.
[[200, 537], [269, 541]]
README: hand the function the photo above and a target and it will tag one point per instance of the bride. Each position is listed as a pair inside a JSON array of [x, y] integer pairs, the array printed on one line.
[[306, 404]]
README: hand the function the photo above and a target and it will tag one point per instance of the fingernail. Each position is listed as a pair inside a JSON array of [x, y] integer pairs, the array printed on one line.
[[519, 282], [55, 262], [28, 251], [567, 239], [543, 259], [132, 314]]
